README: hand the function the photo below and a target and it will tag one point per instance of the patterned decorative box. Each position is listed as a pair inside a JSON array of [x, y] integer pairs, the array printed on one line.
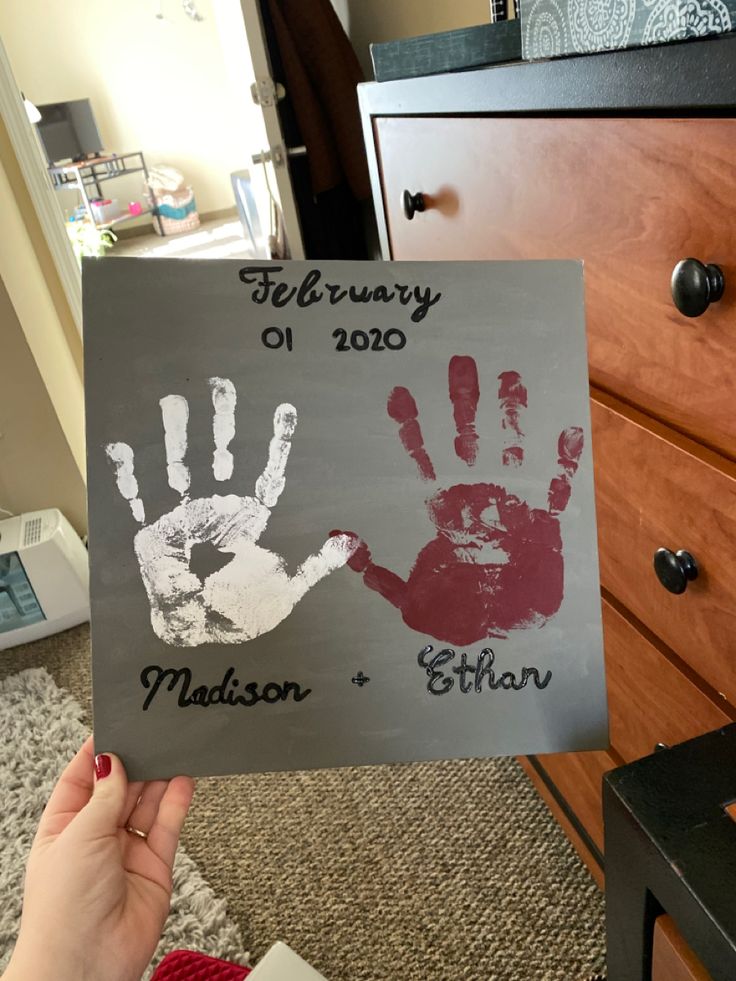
[[551, 28]]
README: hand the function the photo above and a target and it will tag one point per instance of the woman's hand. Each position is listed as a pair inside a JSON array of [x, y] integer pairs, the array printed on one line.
[[96, 895]]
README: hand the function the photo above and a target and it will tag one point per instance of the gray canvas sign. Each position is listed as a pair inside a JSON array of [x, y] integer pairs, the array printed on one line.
[[340, 513]]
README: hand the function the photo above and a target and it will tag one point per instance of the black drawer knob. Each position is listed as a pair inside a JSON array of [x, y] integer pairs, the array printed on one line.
[[412, 203], [695, 286], [675, 569]]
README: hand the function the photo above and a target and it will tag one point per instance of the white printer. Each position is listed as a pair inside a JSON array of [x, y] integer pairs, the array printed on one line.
[[44, 577]]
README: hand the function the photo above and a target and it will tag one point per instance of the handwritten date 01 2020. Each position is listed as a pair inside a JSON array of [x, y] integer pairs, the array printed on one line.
[[393, 339]]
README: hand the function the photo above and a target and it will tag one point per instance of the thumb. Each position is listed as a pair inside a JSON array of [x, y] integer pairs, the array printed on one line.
[[104, 811]]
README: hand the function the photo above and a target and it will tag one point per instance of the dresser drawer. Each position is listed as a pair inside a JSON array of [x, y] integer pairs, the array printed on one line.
[[578, 777], [672, 959], [651, 493], [629, 196], [650, 700]]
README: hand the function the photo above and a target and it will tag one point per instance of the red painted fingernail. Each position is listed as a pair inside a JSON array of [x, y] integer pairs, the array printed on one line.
[[103, 766]]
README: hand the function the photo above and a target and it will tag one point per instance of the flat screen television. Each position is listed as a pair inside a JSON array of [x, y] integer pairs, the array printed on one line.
[[68, 130]]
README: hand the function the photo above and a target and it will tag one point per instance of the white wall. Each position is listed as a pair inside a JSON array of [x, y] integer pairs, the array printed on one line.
[[34, 293], [157, 86], [37, 469], [369, 21]]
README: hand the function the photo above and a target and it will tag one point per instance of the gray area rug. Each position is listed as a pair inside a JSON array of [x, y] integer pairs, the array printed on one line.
[[42, 729], [451, 870]]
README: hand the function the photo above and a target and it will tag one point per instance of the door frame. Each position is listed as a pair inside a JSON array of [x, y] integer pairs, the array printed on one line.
[[277, 149], [26, 147]]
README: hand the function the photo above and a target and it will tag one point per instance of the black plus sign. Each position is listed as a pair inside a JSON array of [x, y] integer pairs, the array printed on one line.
[[360, 679]]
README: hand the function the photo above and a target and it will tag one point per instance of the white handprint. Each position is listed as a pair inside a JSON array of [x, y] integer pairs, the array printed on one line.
[[253, 592]]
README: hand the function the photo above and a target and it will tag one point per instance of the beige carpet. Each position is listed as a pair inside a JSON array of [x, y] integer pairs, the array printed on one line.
[[420, 872]]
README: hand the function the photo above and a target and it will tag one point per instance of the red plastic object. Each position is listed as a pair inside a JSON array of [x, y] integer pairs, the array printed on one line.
[[188, 965]]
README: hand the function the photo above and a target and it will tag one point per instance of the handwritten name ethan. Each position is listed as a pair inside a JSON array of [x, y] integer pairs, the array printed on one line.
[[228, 692], [470, 677], [313, 290]]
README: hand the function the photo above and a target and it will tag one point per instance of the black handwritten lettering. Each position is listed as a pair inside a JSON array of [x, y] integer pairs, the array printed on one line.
[[273, 338], [267, 288], [200, 696], [251, 274], [282, 295], [174, 676], [383, 294], [337, 293], [376, 335], [483, 670], [392, 340], [155, 678], [271, 692], [291, 687], [252, 690], [528, 672], [342, 336], [462, 671], [484, 667], [425, 300], [434, 674], [360, 296], [306, 294]]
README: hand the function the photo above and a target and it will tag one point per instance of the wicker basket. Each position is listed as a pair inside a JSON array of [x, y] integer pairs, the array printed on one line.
[[177, 211]]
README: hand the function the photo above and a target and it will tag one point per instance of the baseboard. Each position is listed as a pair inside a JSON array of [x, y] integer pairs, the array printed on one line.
[[219, 214]]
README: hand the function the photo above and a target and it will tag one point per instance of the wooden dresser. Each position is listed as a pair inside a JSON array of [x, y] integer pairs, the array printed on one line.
[[627, 161]]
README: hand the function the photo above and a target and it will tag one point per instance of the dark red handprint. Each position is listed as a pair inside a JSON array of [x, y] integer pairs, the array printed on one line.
[[495, 564]]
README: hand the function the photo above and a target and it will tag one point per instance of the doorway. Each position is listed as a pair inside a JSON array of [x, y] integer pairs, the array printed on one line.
[[166, 81]]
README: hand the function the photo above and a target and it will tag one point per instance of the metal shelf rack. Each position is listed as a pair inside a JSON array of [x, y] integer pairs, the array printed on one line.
[[92, 173]]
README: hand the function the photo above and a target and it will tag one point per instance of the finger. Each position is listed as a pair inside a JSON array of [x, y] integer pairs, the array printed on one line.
[[403, 409], [145, 807], [224, 399], [104, 812], [360, 554], [512, 397], [333, 555], [175, 417], [71, 793], [272, 481], [163, 837], [132, 797], [464, 395], [569, 449], [376, 577], [121, 457]]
